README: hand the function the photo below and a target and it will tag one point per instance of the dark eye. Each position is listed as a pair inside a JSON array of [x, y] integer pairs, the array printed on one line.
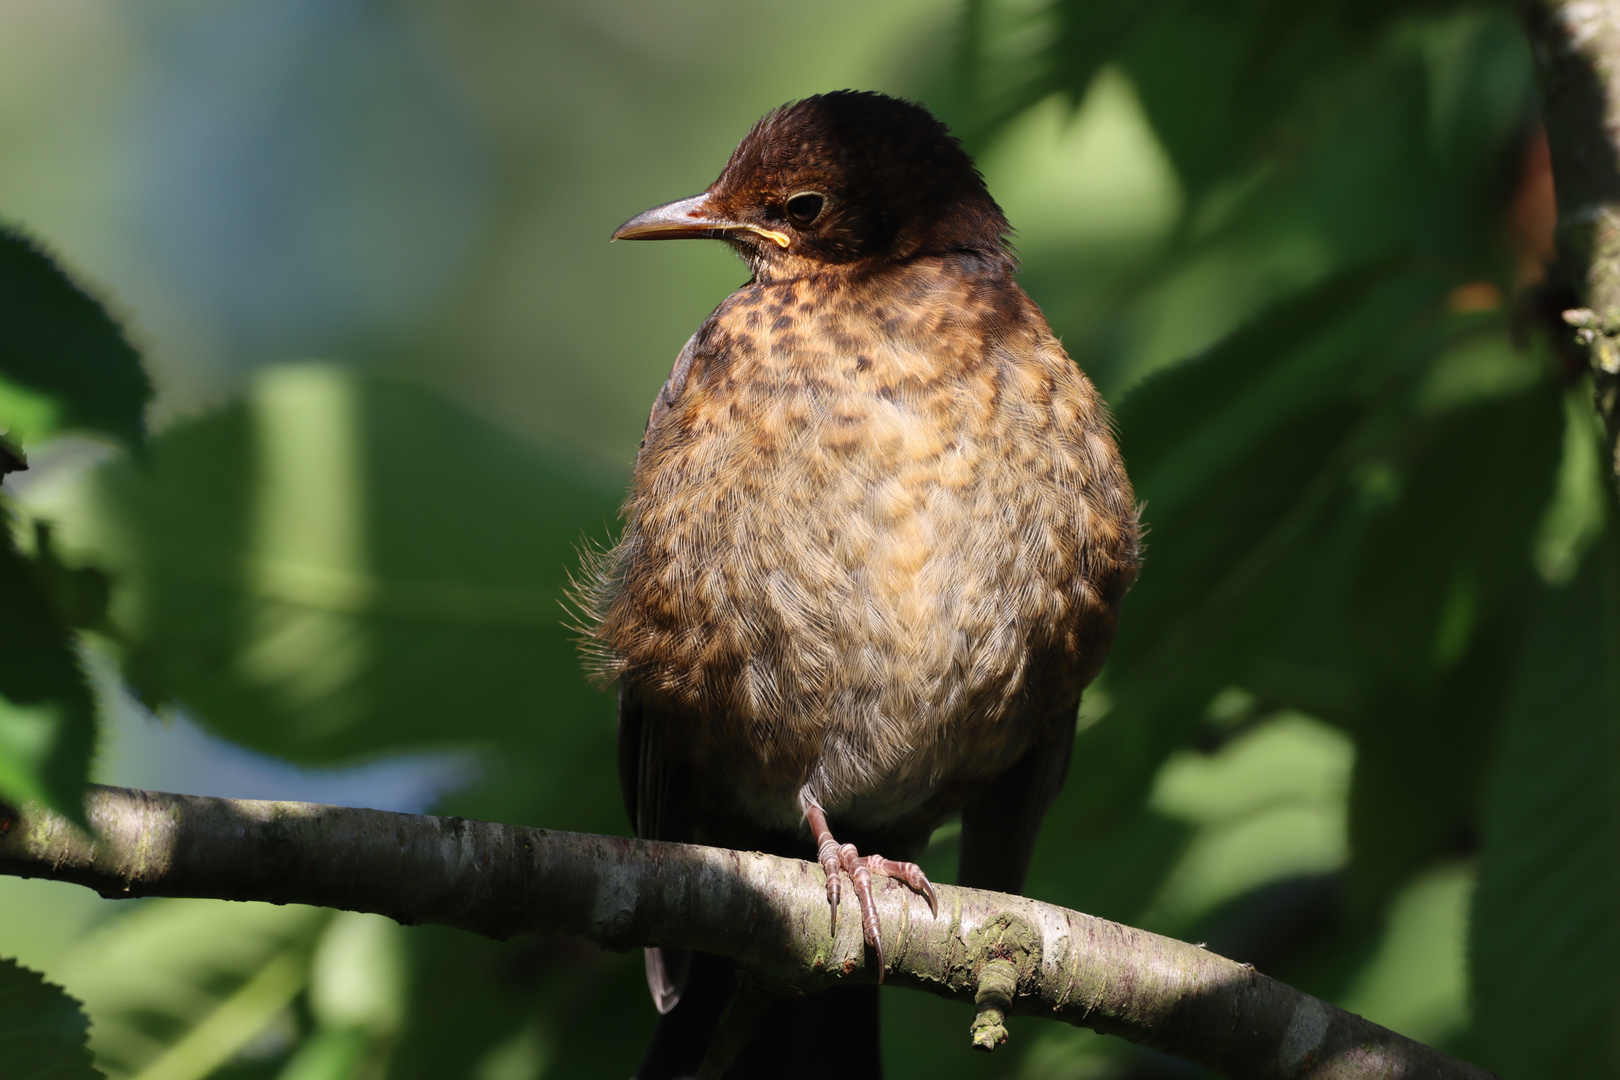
[[805, 207]]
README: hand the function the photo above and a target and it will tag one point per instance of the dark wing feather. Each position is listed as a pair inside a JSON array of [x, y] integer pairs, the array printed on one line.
[[656, 810], [647, 775], [691, 989], [1000, 825], [790, 1041]]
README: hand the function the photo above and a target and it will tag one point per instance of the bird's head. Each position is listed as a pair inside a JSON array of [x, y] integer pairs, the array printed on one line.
[[847, 182]]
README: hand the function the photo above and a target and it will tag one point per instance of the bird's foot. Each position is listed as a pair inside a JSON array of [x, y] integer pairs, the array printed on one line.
[[841, 860]]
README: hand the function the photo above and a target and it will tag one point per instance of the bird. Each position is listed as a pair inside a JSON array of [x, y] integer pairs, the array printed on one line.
[[874, 548]]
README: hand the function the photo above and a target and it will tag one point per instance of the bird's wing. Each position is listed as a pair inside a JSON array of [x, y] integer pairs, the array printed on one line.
[[657, 812], [1000, 825], [671, 390]]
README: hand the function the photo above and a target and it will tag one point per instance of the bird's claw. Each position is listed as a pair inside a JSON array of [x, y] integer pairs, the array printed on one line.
[[843, 860], [828, 855], [911, 874]]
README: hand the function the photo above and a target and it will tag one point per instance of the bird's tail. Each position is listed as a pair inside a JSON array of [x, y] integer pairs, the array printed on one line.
[[796, 1038], [666, 975]]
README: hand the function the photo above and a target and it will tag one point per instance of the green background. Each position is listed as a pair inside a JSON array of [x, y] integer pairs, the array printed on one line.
[[1360, 725]]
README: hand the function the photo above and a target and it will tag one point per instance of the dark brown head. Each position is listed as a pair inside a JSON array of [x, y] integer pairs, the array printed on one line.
[[848, 180]]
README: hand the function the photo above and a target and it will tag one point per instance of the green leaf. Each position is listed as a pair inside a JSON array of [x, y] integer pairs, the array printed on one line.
[[1420, 752], [1343, 502], [1269, 805], [1415, 981], [532, 1007], [343, 566], [1544, 941], [1221, 80], [1241, 458], [1181, 425], [357, 981], [64, 362], [47, 716], [1435, 602], [12, 459], [178, 987], [1232, 88], [326, 1055], [42, 1029]]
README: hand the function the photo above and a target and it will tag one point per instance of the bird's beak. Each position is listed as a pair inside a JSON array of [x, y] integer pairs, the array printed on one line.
[[685, 219]]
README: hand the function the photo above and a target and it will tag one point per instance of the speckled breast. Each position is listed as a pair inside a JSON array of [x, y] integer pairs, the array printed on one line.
[[856, 529]]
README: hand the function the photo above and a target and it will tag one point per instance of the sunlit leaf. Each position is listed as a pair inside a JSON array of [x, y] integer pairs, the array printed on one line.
[[340, 566], [1414, 982], [326, 1055], [358, 977], [1267, 806]]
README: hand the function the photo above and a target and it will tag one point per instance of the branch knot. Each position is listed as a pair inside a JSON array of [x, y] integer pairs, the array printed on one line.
[[1008, 949]]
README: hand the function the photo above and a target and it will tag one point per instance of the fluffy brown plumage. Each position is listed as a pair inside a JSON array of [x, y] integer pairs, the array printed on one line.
[[878, 531]]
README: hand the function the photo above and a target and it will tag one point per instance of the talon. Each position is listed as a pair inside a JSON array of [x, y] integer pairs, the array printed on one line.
[[828, 855], [861, 875], [839, 860], [912, 875]]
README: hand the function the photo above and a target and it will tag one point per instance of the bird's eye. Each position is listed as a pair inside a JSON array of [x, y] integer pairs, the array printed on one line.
[[803, 208]]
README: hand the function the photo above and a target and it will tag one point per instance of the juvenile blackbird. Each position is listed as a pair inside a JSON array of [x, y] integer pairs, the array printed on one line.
[[874, 547]]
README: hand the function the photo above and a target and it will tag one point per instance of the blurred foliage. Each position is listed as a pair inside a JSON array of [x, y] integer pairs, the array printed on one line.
[[47, 725], [179, 987], [1371, 662], [1360, 503], [42, 1030], [1544, 913], [336, 566], [64, 364]]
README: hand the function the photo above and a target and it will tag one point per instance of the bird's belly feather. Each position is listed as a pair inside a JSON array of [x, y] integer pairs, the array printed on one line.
[[864, 573], [848, 596]]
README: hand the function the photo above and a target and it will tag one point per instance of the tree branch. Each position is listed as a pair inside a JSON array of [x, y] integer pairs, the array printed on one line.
[[768, 914], [1576, 47]]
